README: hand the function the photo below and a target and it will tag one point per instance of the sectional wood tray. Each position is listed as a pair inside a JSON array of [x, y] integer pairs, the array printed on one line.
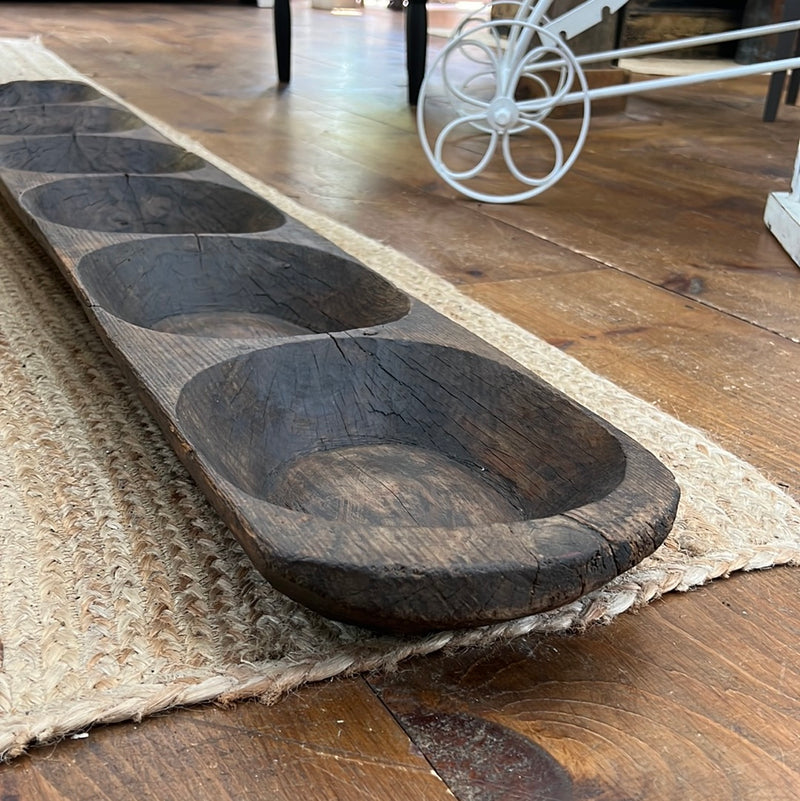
[[377, 462]]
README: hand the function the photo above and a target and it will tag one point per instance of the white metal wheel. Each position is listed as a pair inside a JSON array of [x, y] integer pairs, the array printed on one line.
[[485, 105]]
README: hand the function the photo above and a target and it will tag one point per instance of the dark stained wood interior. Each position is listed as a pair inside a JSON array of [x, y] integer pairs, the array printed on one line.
[[489, 495], [95, 154], [66, 119], [144, 204], [649, 263], [286, 288]]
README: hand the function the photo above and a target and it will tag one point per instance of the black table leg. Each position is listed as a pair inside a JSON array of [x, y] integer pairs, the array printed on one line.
[[416, 46], [282, 21], [794, 86], [785, 48]]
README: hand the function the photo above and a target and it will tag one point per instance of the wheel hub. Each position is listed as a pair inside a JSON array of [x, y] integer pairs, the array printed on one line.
[[503, 114]]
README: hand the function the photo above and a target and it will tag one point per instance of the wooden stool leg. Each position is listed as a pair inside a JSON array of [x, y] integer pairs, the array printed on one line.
[[785, 47], [774, 92], [282, 21], [416, 46], [794, 85], [794, 79]]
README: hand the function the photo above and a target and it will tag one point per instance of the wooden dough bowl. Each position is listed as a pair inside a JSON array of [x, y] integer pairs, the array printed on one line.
[[377, 462]]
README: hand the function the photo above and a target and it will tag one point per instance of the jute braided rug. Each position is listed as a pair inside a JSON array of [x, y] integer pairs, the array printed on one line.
[[122, 594]]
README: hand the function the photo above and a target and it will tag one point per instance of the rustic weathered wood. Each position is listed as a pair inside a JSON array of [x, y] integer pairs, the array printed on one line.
[[236, 287], [134, 204], [315, 452], [438, 431], [694, 696], [66, 119], [31, 93], [95, 154]]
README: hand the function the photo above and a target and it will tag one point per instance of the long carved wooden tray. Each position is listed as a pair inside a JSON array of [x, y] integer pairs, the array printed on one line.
[[378, 462]]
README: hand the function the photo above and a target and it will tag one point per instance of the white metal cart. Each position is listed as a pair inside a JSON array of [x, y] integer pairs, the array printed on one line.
[[483, 135]]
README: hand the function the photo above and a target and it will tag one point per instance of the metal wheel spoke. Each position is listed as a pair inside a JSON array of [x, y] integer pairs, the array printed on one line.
[[558, 160], [478, 76], [463, 175]]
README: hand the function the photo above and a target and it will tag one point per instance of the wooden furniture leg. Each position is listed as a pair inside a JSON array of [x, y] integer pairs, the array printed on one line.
[[794, 83], [282, 19], [416, 46], [416, 43], [787, 46]]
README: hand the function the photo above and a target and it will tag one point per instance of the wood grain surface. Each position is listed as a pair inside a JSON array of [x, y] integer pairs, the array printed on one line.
[[402, 476], [650, 263], [95, 154]]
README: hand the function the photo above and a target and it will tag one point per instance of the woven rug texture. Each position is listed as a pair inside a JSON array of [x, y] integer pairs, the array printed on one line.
[[122, 593]]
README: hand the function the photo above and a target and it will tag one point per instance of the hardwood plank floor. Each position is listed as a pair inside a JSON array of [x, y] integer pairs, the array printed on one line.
[[650, 264], [630, 331]]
